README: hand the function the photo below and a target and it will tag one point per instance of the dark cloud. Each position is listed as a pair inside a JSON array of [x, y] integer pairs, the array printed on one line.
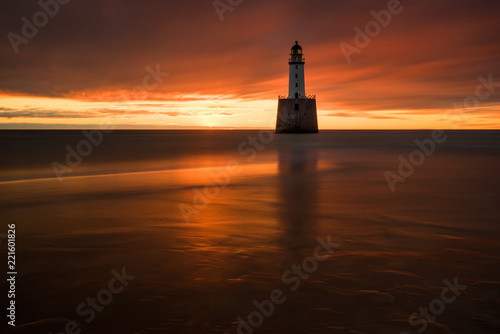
[[91, 113], [360, 114], [43, 113]]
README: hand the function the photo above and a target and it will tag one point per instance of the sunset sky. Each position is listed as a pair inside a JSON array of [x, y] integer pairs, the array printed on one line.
[[84, 65]]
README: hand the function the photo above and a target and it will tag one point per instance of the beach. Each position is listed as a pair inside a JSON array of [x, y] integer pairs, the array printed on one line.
[[206, 226]]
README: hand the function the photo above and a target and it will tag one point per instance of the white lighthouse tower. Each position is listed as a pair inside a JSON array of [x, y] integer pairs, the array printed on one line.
[[296, 112], [296, 85]]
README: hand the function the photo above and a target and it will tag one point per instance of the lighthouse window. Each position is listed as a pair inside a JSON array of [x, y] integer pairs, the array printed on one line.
[[296, 107], [296, 85], [296, 67], [296, 75]]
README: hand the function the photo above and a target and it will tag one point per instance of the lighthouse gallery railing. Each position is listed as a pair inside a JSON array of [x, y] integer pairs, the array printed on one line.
[[284, 97]]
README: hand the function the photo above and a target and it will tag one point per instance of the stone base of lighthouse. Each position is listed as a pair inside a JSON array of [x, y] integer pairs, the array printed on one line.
[[297, 116]]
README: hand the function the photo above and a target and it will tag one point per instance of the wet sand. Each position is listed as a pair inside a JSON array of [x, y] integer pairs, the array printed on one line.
[[120, 209]]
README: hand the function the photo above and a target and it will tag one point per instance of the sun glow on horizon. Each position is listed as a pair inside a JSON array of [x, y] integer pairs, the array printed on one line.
[[212, 112]]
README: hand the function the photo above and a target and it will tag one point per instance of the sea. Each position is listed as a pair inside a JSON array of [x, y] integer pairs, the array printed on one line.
[[247, 231]]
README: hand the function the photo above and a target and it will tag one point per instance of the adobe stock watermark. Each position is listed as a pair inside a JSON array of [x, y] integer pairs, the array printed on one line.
[[222, 177], [436, 306], [471, 103], [94, 138], [30, 28], [427, 147], [104, 297], [293, 279], [372, 29], [223, 6]]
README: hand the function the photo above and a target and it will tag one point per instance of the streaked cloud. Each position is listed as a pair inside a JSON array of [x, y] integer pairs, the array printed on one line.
[[365, 115]]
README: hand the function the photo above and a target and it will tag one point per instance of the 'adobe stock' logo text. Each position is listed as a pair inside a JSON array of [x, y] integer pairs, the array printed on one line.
[[104, 297], [94, 138], [373, 28], [437, 306], [30, 28]]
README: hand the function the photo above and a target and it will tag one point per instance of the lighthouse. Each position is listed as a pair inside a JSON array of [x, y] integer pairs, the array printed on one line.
[[296, 111]]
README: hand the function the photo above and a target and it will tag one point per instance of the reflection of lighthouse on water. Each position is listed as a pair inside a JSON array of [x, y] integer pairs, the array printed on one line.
[[298, 193]]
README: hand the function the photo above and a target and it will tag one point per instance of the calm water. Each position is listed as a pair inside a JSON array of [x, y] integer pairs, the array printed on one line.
[[200, 272]]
